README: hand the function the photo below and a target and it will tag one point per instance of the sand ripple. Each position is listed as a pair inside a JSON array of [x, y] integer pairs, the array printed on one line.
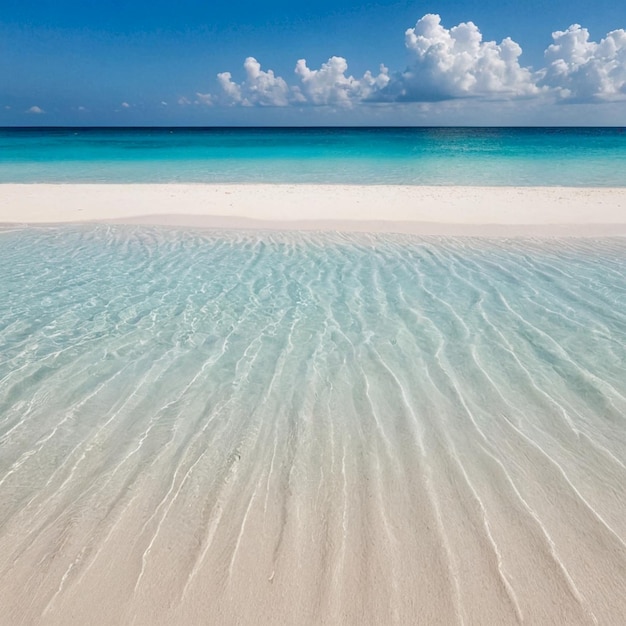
[[203, 427]]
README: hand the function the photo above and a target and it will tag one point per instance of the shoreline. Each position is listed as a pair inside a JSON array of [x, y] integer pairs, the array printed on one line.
[[428, 210]]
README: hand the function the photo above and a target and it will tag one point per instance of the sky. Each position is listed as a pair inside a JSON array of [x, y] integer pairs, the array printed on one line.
[[193, 62]]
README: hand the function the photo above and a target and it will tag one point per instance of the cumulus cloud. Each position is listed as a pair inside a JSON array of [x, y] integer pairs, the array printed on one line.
[[583, 70], [330, 85], [35, 110], [258, 88], [125, 105], [457, 63], [444, 64]]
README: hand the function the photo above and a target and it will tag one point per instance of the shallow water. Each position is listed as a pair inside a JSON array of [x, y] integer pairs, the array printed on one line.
[[592, 157], [304, 428]]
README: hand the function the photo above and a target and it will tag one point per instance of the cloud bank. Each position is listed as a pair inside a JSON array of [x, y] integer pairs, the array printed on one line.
[[444, 64]]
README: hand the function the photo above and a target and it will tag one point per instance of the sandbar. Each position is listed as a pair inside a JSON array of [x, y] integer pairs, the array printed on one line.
[[437, 210]]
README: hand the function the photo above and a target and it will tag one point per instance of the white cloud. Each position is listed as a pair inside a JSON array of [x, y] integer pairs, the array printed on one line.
[[182, 101], [457, 63], [35, 110], [327, 85], [330, 85], [583, 70], [125, 105], [258, 88]]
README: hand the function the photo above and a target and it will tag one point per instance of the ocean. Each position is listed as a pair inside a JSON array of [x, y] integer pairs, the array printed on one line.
[[204, 426], [592, 157]]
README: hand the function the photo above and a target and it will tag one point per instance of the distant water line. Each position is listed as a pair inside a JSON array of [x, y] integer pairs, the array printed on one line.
[[593, 157], [291, 427]]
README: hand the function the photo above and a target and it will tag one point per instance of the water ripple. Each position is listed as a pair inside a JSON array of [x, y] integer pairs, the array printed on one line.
[[310, 428]]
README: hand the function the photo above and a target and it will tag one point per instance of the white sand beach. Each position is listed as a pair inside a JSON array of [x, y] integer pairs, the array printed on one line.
[[499, 211]]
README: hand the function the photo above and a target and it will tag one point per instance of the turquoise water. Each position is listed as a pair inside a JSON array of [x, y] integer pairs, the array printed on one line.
[[413, 156], [231, 421]]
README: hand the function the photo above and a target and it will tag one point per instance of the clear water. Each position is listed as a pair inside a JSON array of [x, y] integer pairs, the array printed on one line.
[[412, 156], [229, 421]]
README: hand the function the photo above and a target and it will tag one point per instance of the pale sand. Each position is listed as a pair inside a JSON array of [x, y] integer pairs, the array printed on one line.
[[502, 211]]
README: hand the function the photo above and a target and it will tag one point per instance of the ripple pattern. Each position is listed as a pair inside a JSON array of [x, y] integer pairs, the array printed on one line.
[[229, 428]]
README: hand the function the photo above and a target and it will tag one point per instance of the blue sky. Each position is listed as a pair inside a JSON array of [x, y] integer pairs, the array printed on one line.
[[128, 62]]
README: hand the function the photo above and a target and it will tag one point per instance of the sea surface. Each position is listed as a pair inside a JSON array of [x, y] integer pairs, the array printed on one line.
[[411, 156], [231, 427]]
